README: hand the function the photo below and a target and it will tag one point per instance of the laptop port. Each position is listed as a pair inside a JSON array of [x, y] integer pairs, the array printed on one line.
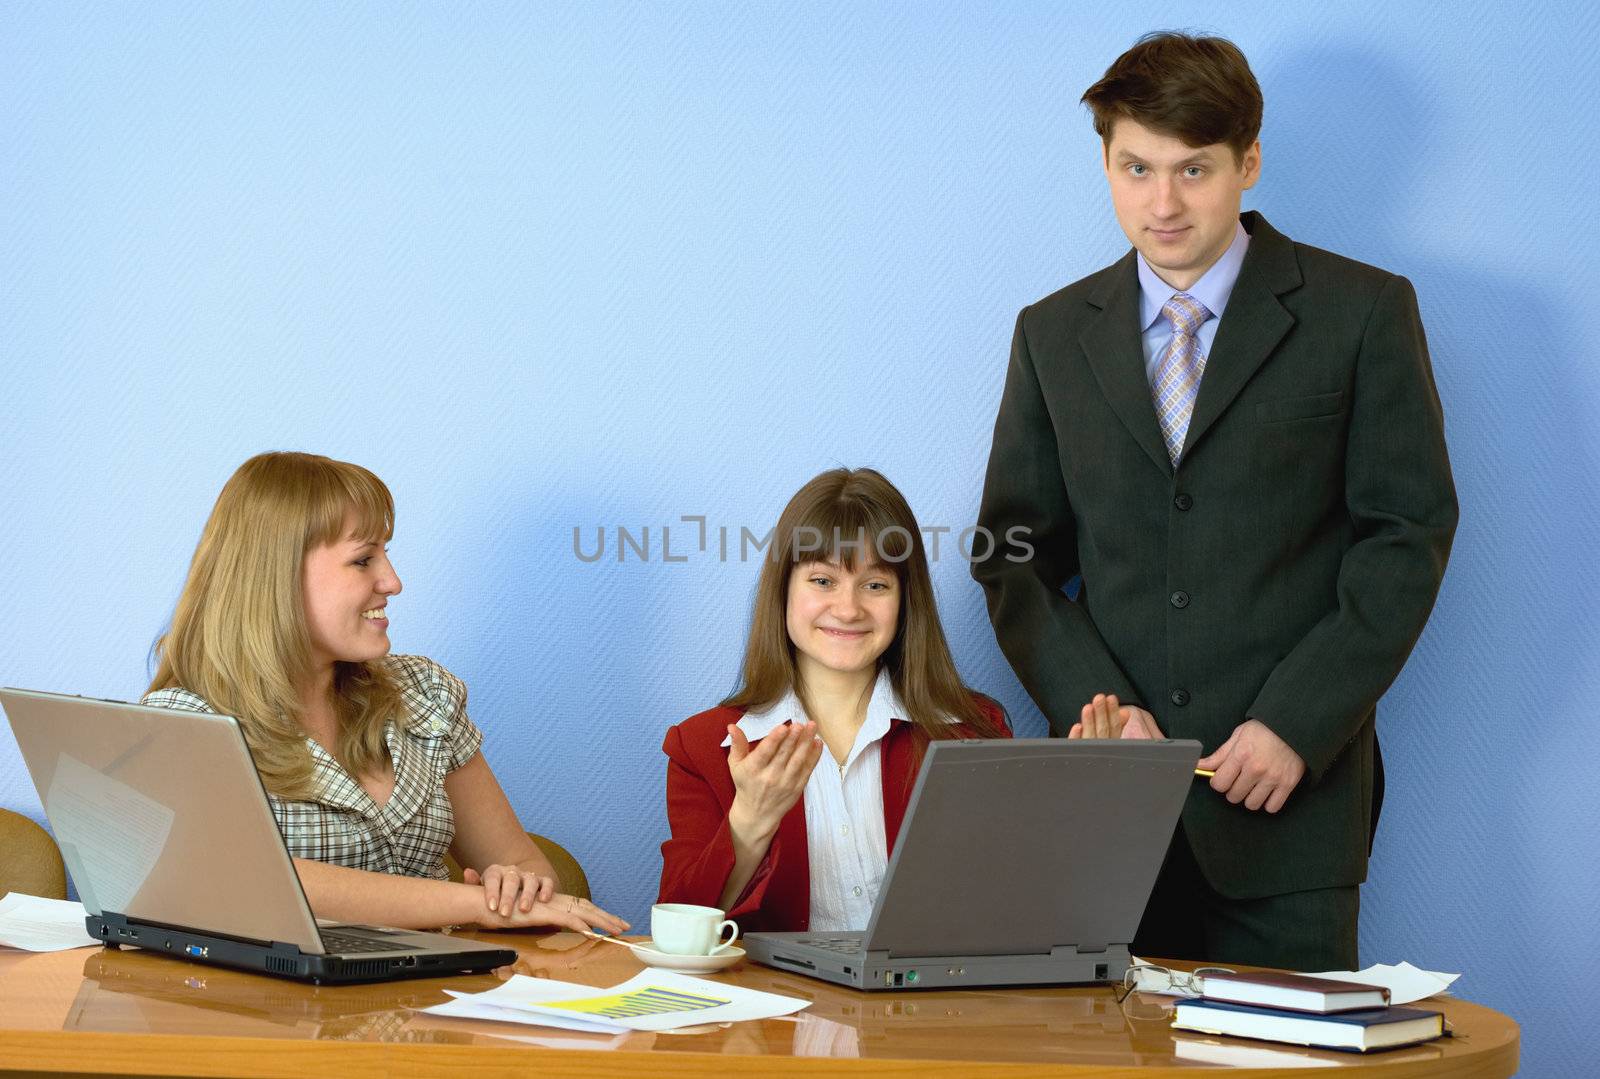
[[801, 963]]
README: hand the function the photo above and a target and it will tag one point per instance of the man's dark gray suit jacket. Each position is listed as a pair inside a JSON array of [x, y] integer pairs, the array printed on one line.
[[1283, 572]]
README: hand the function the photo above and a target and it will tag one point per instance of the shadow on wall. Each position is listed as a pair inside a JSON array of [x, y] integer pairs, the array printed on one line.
[[1464, 876], [567, 697]]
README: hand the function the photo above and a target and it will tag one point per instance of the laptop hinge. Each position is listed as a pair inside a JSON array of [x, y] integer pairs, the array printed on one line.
[[1061, 951], [168, 927]]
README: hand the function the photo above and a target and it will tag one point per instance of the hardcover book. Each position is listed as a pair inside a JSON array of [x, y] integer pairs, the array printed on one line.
[[1362, 1031], [1297, 992]]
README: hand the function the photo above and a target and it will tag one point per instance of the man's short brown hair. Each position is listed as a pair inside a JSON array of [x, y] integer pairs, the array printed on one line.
[[1199, 90]]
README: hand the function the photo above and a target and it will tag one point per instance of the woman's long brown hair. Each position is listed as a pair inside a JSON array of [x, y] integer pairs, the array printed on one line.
[[850, 516]]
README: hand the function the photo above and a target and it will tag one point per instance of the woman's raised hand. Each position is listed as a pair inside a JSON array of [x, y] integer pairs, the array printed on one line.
[[769, 778]]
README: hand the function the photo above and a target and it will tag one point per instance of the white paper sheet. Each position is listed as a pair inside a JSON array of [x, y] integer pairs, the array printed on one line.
[[1147, 981], [34, 924], [1406, 983], [650, 1000], [467, 1007]]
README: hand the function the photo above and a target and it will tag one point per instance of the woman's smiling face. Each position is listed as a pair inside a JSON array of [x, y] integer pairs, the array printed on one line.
[[346, 587], [840, 619]]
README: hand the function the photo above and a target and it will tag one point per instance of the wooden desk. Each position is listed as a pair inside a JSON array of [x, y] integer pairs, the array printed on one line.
[[134, 1013]]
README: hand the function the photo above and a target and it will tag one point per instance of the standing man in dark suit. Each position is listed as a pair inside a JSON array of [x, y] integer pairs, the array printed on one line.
[[1235, 442]]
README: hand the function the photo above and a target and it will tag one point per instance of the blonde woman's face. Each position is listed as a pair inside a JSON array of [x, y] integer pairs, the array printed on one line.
[[842, 620], [347, 587]]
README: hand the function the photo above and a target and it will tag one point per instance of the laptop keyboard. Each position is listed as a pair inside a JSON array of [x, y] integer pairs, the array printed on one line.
[[346, 943]]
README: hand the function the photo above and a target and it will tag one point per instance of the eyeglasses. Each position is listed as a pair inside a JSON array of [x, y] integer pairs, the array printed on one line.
[[1149, 978]]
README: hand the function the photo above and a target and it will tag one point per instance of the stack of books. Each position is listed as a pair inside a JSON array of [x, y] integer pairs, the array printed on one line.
[[1303, 1010]]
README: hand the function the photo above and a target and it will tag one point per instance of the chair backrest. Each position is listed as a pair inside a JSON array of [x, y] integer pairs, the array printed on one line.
[[30, 861], [574, 881]]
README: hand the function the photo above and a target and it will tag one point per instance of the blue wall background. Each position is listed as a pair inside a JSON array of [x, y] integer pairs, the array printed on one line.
[[551, 266]]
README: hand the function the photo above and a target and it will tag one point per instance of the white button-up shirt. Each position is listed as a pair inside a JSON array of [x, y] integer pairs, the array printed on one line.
[[844, 811]]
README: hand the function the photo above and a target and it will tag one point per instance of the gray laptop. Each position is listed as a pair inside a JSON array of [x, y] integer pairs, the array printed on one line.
[[1020, 862], [167, 832]]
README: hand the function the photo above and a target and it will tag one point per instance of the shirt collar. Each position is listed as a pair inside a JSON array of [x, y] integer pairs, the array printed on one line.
[[883, 708], [1213, 288], [333, 785]]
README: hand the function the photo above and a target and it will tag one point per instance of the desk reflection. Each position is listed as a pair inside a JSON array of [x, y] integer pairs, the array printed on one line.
[[142, 994], [1016, 1025], [133, 992]]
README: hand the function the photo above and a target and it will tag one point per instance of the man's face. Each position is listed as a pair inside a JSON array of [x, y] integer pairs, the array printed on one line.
[[1177, 203]]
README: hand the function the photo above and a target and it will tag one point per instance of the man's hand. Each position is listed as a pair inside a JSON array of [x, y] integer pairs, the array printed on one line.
[[1255, 766], [1106, 717]]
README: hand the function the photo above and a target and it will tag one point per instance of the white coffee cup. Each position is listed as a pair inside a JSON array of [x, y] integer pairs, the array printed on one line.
[[685, 929]]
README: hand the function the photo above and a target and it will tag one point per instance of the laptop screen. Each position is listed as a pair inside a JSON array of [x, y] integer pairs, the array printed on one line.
[[1018, 846], [161, 817]]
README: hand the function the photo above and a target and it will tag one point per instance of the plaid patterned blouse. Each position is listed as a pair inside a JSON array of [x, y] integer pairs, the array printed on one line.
[[411, 832]]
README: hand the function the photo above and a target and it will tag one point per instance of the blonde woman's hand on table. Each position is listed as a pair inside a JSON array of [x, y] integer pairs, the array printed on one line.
[[508, 888], [560, 911]]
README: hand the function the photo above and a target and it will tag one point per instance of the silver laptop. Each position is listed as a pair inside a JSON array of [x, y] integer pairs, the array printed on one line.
[[167, 832], [1020, 862]]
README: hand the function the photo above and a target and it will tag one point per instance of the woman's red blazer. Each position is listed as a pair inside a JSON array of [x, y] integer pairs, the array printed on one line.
[[698, 858]]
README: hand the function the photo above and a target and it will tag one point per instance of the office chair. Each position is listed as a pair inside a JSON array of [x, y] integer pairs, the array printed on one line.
[[30, 861]]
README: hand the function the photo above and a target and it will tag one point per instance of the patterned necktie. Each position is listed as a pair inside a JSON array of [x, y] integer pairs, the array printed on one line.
[[1178, 371]]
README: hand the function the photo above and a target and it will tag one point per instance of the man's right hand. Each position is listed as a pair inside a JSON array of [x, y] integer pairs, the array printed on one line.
[[770, 778], [1106, 717]]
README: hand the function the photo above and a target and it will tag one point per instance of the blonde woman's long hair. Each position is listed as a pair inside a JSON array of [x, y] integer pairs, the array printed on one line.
[[238, 636]]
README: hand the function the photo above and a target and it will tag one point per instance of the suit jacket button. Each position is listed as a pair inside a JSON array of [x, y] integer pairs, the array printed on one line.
[[1180, 697], [1180, 600], [1183, 502]]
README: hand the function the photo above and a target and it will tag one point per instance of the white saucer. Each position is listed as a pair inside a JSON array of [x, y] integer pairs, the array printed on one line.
[[651, 956]]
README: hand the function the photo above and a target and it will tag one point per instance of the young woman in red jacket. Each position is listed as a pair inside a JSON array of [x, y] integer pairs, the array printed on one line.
[[785, 800]]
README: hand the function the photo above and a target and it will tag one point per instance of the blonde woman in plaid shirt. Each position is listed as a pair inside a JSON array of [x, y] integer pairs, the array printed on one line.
[[370, 762]]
